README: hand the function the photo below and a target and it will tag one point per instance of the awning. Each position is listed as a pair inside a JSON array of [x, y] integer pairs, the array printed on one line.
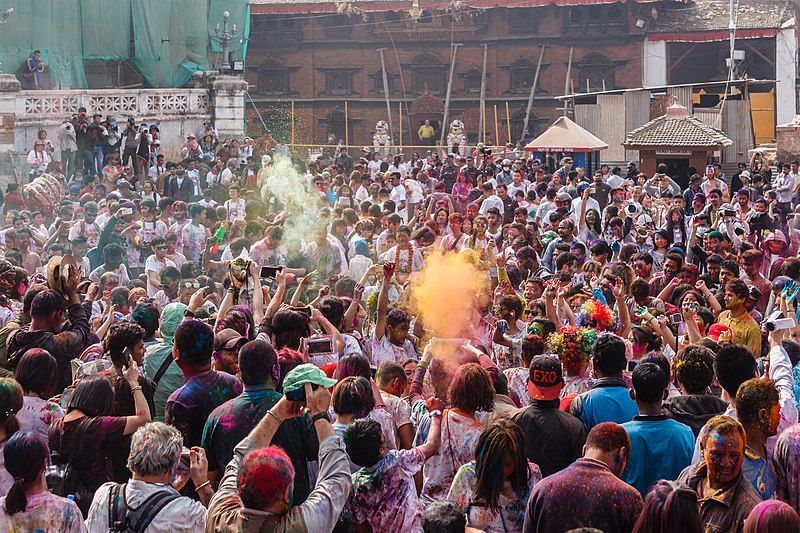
[[565, 136], [712, 36]]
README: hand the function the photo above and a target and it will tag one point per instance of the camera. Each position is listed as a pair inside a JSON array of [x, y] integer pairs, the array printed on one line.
[[729, 213], [776, 322], [483, 150], [632, 209]]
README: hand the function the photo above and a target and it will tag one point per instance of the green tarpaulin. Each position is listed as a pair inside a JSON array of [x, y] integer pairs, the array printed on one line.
[[171, 38]]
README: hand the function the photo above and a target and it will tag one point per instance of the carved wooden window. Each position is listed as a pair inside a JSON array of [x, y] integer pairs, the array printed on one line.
[[472, 80], [608, 16], [525, 20], [337, 26], [596, 72], [428, 71], [273, 78], [393, 17], [338, 81], [377, 81], [521, 74]]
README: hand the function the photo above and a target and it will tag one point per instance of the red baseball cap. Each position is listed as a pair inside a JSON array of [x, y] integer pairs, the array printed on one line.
[[545, 379]]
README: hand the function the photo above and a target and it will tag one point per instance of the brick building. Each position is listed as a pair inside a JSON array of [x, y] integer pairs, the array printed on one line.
[[321, 54]]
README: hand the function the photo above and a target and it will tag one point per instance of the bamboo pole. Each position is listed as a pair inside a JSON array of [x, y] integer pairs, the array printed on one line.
[[292, 125], [401, 125], [386, 94], [508, 123], [532, 93], [496, 126], [346, 128], [482, 126], [449, 88], [568, 79]]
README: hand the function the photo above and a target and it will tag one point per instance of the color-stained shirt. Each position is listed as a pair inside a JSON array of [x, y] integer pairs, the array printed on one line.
[[193, 239], [721, 510], [760, 473], [319, 512], [169, 382], [459, 435], [181, 515], [385, 495], [744, 330], [36, 415], [787, 465], [232, 421], [189, 406], [660, 449], [607, 401], [44, 513], [585, 494], [511, 504]]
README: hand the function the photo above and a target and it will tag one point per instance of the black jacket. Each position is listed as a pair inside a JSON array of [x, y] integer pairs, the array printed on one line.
[[65, 345], [694, 410], [553, 438]]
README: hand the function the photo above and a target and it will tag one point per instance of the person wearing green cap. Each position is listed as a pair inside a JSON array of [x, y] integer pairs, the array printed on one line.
[[157, 355], [256, 491]]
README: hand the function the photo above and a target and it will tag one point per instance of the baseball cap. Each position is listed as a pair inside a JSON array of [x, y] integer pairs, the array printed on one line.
[[306, 373], [227, 338], [717, 330], [563, 197], [744, 174], [123, 183], [545, 378]]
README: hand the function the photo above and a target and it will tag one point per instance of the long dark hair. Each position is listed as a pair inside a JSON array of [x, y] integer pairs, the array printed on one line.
[[500, 440], [681, 226], [669, 506], [93, 397], [25, 455]]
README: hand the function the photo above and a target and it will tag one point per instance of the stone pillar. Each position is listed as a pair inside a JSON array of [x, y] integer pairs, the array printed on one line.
[[655, 63], [227, 105], [786, 73], [9, 87]]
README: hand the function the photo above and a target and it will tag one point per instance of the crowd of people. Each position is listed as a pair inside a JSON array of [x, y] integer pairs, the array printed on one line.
[[184, 348]]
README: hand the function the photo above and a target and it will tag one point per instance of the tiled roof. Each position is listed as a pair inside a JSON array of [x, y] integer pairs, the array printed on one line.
[[320, 6], [712, 15], [676, 130]]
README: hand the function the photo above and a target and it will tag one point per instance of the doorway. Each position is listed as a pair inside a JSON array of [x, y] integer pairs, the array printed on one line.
[[677, 169]]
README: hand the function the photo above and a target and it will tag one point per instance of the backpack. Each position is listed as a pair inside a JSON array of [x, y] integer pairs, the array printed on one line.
[[62, 477], [125, 519]]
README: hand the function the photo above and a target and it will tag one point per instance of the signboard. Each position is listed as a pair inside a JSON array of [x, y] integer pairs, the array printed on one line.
[[679, 153]]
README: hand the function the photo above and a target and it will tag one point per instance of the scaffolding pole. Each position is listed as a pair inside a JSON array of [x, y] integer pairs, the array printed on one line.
[[532, 93], [386, 94], [449, 89], [482, 126]]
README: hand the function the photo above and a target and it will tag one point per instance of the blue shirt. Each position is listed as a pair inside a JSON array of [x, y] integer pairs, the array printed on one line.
[[607, 401], [760, 473], [660, 449]]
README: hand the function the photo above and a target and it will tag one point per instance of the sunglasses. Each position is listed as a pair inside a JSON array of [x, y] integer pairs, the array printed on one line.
[[190, 284], [161, 247]]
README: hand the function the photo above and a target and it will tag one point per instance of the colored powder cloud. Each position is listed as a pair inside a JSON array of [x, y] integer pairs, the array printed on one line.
[[446, 292]]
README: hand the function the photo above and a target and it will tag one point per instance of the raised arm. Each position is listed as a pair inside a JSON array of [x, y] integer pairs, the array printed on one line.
[[383, 301], [329, 328]]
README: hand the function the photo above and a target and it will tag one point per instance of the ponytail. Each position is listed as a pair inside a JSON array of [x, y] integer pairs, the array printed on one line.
[[16, 500], [25, 455]]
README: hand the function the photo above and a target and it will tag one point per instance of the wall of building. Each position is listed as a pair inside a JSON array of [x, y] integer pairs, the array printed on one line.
[[615, 50]]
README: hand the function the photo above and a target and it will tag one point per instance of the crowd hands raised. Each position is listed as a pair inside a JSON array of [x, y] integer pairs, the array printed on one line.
[[208, 366]]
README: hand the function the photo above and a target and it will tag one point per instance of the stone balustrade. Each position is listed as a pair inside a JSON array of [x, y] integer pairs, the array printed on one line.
[[38, 106]]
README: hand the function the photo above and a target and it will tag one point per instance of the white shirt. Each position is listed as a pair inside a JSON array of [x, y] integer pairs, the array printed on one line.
[[415, 194], [398, 195], [152, 264], [492, 201], [590, 204], [182, 515], [227, 177], [155, 171], [374, 167]]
